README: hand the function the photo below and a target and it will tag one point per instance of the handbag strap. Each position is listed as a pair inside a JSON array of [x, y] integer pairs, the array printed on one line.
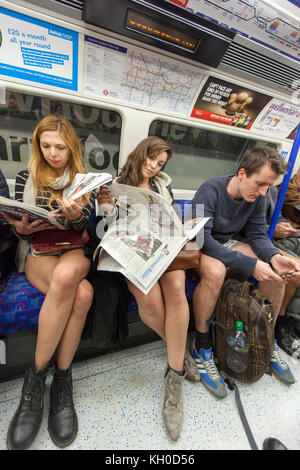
[[233, 386]]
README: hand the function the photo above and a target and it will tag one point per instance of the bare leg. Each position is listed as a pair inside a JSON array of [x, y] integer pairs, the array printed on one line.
[[212, 274], [59, 279], [72, 333], [177, 316], [151, 307]]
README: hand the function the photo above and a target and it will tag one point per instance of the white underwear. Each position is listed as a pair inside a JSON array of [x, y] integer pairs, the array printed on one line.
[[230, 243]]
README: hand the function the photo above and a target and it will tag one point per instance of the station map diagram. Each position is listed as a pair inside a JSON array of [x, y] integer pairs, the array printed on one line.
[[252, 19], [151, 81], [139, 77]]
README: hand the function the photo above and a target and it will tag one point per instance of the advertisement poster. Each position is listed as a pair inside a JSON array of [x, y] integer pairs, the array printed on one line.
[[38, 51], [226, 103], [278, 118], [254, 19], [137, 76]]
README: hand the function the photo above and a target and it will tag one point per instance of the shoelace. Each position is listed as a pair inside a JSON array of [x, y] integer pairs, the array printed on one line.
[[211, 367], [32, 390], [278, 358], [64, 392]]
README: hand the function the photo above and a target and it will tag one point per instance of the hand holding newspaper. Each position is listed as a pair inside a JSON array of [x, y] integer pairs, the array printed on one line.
[[86, 182], [82, 184], [142, 244]]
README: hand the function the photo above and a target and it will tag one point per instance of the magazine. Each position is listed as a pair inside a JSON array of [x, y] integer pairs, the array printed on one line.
[[82, 184], [143, 242]]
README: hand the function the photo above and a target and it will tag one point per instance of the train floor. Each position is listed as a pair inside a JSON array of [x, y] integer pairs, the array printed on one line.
[[119, 397]]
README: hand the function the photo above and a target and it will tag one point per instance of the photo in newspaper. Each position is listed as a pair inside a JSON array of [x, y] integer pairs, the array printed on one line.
[[86, 182], [142, 244]]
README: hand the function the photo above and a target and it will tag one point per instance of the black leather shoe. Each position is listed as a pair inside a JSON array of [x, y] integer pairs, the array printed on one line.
[[28, 417], [287, 338], [62, 422]]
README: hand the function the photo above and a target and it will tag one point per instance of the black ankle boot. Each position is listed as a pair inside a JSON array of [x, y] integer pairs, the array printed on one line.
[[62, 423], [28, 417]]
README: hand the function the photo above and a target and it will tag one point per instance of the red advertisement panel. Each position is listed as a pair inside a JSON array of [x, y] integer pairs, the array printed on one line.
[[225, 103], [181, 3]]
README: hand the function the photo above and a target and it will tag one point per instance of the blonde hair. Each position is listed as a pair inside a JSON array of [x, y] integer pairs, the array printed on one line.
[[40, 171], [131, 173]]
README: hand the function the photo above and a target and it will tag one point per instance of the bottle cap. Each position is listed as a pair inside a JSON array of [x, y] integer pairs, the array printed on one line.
[[239, 325]]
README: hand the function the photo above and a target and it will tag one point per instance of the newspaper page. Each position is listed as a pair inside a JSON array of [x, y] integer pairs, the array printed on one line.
[[85, 182], [82, 184], [145, 241], [17, 209]]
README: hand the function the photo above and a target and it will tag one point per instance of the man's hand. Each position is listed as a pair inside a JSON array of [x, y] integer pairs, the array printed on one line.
[[284, 230], [264, 272], [283, 264]]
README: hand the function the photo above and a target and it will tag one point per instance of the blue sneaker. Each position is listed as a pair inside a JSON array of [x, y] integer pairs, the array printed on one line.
[[208, 371], [280, 368]]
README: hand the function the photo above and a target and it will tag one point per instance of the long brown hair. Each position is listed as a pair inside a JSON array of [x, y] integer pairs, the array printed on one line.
[[40, 171], [131, 173]]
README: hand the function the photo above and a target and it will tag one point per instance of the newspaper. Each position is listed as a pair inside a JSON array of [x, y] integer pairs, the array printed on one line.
[[143, 243], [82, 184], [85, 182], [17, 209]]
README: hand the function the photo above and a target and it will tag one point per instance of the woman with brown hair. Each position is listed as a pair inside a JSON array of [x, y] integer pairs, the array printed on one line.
[[56, 158], [165, 308]]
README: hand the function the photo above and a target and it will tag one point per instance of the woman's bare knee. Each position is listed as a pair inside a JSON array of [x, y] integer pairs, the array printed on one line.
[[83, 299], [173, 286], [65, 277], [149, 305]]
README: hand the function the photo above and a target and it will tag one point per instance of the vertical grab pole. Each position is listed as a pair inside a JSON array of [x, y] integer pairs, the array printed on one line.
[[285, 183]]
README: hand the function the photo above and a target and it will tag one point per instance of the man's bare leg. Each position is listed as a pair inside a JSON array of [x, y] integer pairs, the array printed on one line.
[[212, 274]]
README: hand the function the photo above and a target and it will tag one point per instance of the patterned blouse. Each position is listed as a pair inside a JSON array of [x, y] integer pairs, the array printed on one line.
[[42, 201]]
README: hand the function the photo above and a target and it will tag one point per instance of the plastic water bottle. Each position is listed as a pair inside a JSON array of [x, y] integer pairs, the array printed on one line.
[[237, 349]]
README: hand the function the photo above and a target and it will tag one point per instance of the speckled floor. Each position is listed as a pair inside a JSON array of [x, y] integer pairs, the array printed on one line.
[[118, 398]]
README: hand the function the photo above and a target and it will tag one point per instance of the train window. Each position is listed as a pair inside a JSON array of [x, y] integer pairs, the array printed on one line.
[[199, 154], [99, 131]]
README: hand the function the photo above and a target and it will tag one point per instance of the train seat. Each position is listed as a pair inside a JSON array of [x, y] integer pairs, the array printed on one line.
[[20, 304]]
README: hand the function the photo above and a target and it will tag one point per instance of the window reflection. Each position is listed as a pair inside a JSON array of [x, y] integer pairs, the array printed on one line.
[[199, 154], [100, 128]]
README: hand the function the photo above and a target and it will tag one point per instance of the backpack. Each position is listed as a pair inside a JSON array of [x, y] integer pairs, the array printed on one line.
[[242, 301]]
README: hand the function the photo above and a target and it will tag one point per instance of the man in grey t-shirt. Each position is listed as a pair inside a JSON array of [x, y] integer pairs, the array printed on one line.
[[233, 203]]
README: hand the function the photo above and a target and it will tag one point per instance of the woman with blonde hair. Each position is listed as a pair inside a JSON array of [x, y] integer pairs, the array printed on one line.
[[56, 158], [165, 308]]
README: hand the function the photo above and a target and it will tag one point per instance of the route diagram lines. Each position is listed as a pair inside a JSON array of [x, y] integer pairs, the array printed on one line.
[[252, 19], [150, 81]]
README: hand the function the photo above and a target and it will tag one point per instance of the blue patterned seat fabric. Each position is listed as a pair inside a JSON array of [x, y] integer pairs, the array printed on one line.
[[20, 302]]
